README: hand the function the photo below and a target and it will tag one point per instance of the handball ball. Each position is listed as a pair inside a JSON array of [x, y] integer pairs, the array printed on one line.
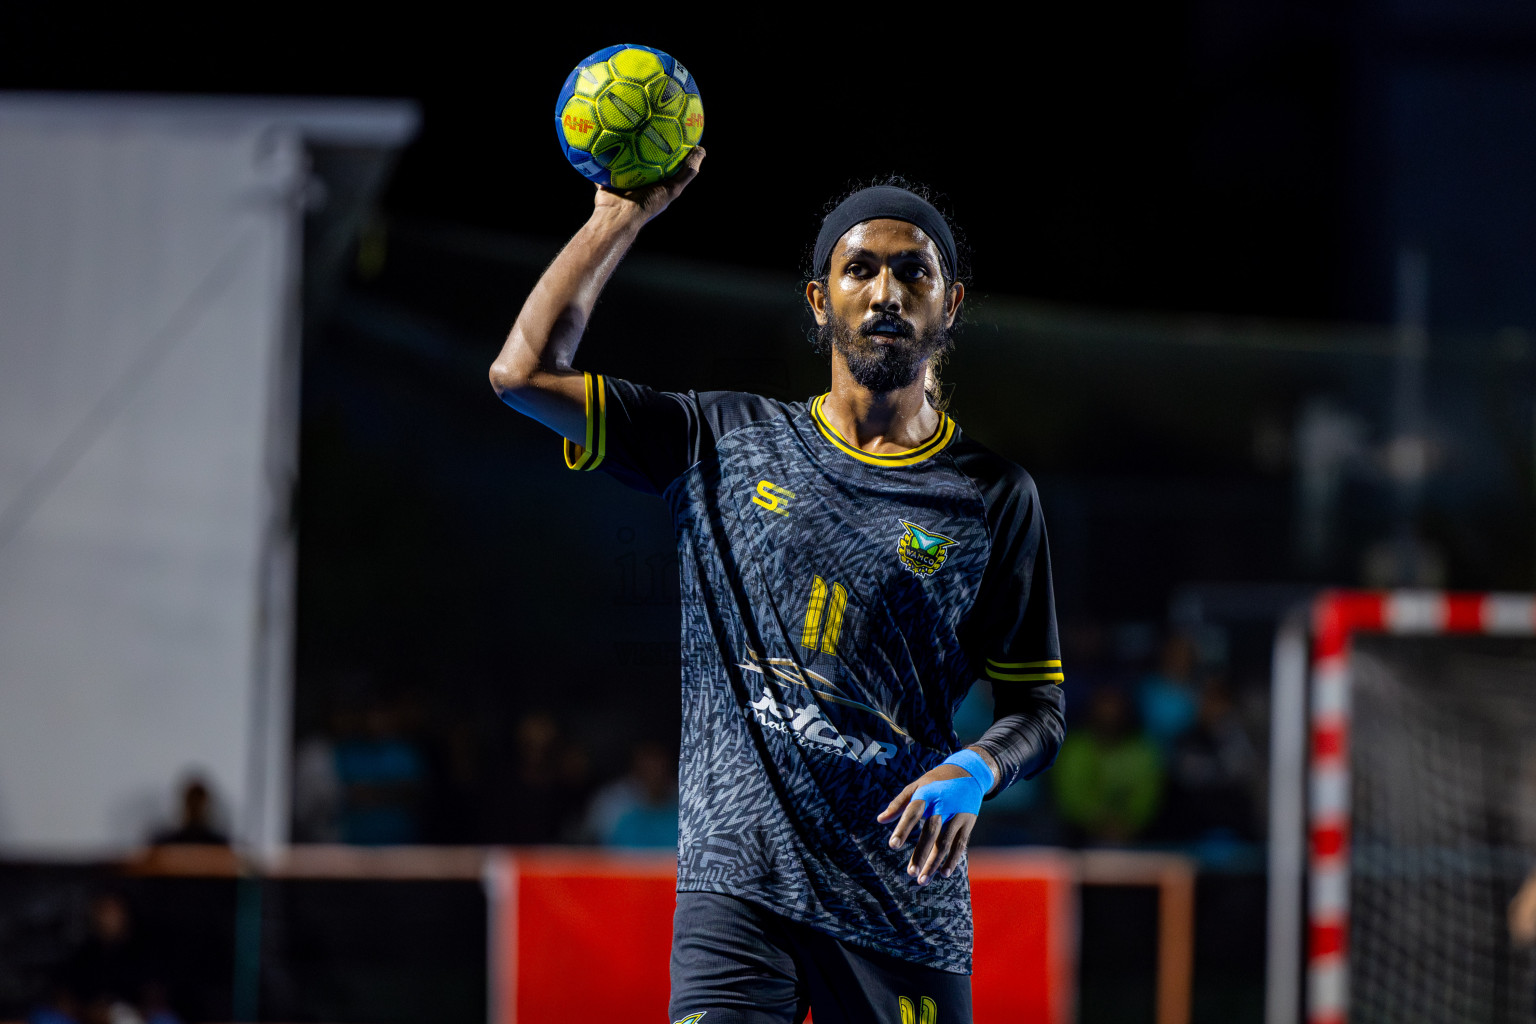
[[628, 115]]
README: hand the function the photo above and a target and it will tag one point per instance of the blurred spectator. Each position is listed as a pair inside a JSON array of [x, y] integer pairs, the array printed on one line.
[[196, 827], [1167, 697], [451, 810], [109, 979], [1087, 654], [380, 774], [316, 789], [640, 809], [541, 793], [1108, 778], [1213, 772]]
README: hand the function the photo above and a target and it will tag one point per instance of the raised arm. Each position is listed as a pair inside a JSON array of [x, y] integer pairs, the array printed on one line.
[[533, 373]]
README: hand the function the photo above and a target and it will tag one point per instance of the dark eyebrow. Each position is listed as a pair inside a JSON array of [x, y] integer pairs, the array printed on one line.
[[921, 255]]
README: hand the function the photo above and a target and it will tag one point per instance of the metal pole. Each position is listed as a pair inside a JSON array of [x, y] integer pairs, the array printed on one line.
[[1287, 821]]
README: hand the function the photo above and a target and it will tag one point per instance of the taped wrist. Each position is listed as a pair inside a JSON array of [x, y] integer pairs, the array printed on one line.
[[949, 797], [976, 765]]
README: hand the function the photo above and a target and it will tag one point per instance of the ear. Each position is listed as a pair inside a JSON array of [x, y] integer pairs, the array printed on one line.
[[816, 295], [952, 305]]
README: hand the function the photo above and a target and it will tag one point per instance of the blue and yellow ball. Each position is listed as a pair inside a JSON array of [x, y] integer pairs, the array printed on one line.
[[628, 115]]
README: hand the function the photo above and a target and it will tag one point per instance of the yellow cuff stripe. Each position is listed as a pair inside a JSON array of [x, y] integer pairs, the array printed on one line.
[[590, 455], [1026, 677], [1053, 663]]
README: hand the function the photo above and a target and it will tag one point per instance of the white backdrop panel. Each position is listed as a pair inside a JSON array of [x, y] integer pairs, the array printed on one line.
[[146, 269]]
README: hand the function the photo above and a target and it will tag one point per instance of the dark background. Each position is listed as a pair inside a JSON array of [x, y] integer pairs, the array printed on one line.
[[1253, 159], [1186, 224], [1184, 218], [1180, 156]]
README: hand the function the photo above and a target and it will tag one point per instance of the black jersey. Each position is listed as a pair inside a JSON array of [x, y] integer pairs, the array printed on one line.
[[837, 607]]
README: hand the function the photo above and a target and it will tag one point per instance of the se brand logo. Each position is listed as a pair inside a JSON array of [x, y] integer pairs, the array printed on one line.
[[773, 497]]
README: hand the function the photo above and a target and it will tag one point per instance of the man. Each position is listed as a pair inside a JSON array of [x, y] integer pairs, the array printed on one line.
[[850, 566]]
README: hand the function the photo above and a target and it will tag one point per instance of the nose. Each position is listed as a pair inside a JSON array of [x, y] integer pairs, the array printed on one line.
[[885, 297]]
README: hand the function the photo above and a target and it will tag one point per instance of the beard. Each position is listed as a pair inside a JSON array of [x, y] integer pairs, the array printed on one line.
[[882, 367]]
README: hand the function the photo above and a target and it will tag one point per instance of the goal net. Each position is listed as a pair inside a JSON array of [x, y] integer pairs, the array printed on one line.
[[1420, 810], [1442, 758]]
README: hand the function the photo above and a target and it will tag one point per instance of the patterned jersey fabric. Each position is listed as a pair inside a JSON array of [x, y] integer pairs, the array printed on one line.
[[837, 607]]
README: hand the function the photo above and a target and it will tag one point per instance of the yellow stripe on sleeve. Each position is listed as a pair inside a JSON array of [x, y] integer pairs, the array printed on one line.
[[602, 421], [1013, 665], [589, 455], [1026, 677]]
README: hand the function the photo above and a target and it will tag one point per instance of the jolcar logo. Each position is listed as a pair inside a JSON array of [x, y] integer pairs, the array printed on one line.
[[692, 1018], [922, 551]]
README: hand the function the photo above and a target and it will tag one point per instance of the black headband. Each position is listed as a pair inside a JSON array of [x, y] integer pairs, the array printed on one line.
[[884, 202]]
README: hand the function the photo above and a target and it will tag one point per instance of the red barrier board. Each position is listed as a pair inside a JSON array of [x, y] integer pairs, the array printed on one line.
[[1024, 908], [586, 935]]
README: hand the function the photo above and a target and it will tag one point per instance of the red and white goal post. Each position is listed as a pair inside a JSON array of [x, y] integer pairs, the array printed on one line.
[[1388, 724]]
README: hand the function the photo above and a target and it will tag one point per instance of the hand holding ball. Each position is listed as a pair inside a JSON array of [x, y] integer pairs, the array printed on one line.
[[628, 116]]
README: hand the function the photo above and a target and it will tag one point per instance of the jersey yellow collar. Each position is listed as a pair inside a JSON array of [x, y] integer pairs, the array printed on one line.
[[911, 456]]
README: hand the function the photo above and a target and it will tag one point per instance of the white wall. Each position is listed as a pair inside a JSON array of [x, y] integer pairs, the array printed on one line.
[[147, 269]]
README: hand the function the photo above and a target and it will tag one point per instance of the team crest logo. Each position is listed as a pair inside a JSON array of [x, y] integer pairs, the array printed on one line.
[[921, 550], [692, 1018]]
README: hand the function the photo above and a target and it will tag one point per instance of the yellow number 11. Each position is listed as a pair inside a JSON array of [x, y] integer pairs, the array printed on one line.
[[833, 610], [927, 1012]]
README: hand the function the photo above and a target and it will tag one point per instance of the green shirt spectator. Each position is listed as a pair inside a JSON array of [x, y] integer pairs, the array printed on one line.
[[1108, 778]]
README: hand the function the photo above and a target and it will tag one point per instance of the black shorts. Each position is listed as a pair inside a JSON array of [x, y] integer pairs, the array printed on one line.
[[734, 962]]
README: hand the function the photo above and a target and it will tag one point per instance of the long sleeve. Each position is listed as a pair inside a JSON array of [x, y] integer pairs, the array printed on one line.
[[1011, 635]]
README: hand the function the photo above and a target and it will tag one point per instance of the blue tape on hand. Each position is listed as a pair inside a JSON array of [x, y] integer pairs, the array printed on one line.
[[950, 797], [976, 765]]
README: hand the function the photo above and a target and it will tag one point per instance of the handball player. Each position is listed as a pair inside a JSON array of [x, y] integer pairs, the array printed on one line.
[[850, 566]]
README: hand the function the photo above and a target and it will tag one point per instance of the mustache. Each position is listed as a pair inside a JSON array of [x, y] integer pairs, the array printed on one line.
[[887, 325]]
